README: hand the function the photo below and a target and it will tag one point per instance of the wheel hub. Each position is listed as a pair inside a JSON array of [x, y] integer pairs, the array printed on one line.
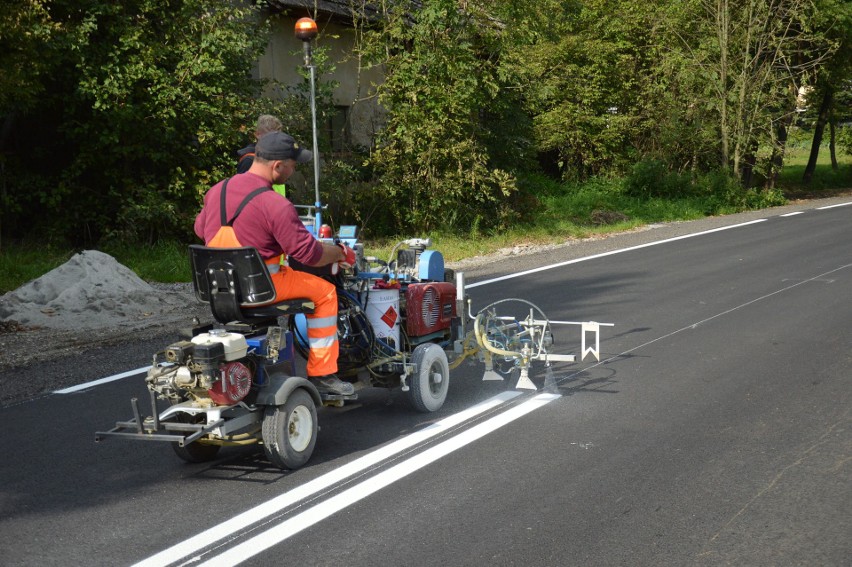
[[300, 428]]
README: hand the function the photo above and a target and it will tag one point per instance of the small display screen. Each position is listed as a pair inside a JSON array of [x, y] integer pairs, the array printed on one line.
[[347, 231]]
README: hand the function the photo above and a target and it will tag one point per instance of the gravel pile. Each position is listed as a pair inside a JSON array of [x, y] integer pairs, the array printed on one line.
[[91, 299]]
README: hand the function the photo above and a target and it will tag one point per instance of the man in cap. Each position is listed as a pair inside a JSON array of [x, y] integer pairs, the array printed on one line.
[[266, 123], [267, 221]]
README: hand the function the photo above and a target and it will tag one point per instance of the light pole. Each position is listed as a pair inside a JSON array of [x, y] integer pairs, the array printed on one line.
[[306, 30]]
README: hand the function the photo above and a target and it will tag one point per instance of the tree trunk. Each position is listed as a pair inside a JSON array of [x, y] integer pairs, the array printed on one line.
[[5, 133], [776, 162], [831, 146], [749, 161], [2, 197], [819, 128], [779, 147], [722, 35]]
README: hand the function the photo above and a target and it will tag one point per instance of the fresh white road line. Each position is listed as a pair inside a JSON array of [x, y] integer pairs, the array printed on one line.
[[794, 214], [834, 206], [611, 253], [323, 510], [113, 378], [324, 482]]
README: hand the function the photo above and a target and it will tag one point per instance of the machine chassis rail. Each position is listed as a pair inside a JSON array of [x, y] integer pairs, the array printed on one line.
[[148, 429], [199, 430]]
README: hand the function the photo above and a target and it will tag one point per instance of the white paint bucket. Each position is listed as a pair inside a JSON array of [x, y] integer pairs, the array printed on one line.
[[383, 313]]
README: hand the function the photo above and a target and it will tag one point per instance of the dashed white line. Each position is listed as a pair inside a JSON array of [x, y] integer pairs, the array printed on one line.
[[93, 383], [611, 253], [834, 206]]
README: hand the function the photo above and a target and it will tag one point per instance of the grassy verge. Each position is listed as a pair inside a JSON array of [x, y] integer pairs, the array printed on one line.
[[566, 211], [569, 216], [601, 207], [20, 263], [164, 262], [825, 182]]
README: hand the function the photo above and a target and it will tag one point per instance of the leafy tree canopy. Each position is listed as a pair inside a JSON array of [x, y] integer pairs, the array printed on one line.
[[116, 116], [136, 106]]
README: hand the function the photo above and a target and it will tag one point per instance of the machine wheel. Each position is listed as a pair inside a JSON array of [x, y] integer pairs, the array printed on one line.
[[196, 452], [290, 431], [429, 382]]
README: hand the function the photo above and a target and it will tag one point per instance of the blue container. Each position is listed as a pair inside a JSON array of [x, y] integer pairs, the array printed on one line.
[[286, 355]]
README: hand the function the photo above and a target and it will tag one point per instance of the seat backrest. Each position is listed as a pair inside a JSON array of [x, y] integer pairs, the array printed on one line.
[[229, 279]]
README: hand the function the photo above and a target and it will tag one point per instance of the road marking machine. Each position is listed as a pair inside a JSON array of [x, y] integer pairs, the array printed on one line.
[[403, 322]]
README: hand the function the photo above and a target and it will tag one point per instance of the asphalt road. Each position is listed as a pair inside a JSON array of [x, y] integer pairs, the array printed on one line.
[[715, 430]]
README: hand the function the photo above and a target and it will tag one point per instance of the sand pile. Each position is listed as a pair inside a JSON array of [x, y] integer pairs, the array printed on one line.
[[90, 291]]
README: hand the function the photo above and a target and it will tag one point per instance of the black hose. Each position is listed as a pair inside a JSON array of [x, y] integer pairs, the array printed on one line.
[[356, 338]]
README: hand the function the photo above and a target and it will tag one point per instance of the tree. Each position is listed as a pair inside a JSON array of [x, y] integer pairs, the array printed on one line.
[[25, 28], [835, 22], [143, 100], [431, 158], [749, 54], [584, 70]]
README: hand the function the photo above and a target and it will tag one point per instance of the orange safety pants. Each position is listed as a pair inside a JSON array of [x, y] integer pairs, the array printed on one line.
[[322, 324]]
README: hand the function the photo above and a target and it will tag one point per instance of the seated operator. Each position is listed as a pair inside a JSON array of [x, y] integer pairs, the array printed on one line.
[[267, 221]]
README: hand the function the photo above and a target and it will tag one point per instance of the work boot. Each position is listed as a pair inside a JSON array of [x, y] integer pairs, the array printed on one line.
[[331, 384]]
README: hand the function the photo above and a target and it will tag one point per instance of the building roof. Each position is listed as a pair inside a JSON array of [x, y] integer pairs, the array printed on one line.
[[341, 8]]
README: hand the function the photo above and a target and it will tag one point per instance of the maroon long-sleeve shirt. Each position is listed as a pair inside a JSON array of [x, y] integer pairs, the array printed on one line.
[[269, 222]]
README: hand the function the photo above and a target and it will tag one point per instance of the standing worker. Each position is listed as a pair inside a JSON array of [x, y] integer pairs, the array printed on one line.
[[266, 123], [257, 216]]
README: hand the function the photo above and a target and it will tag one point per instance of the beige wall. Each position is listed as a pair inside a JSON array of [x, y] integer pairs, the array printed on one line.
[[283, 58]]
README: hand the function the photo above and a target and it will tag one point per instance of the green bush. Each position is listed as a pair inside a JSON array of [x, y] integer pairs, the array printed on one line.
[[762, 198], [141, 111], [431, 159], [844, 138], [539, 185], [650, 178], [726, 194]]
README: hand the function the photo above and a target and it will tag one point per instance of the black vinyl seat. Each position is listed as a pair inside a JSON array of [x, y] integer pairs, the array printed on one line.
[[237, 285]]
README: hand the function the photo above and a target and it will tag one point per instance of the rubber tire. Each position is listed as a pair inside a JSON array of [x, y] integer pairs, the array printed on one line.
[[290, 431], [196, 452], [425, 393]]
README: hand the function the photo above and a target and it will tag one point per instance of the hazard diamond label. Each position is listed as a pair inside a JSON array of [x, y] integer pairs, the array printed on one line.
[[390, 317]]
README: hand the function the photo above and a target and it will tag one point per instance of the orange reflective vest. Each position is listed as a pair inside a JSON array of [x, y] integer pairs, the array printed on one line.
[[225, 237]]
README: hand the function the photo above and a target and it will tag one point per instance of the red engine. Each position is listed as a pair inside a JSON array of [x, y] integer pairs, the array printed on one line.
[[430, 307], [233, 385]]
